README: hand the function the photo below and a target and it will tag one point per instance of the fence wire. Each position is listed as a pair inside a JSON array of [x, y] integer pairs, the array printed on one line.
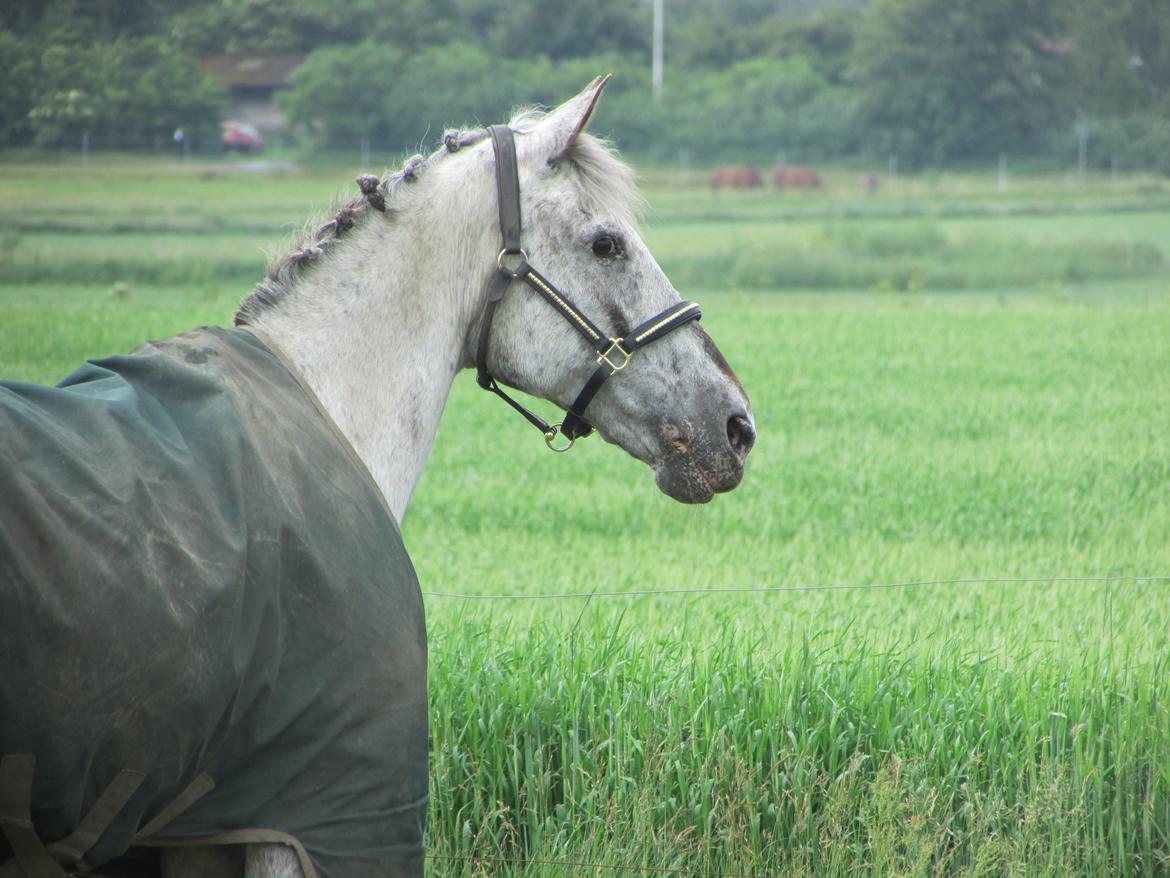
[[763, 589]]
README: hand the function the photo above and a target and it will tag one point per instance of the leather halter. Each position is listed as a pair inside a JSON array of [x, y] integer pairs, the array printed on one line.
[[613, 354]]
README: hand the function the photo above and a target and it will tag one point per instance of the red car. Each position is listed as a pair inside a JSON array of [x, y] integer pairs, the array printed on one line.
[[241, 137]]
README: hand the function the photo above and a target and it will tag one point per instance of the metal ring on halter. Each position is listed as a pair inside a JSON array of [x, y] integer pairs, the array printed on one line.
[[551, 437], [505, 252]]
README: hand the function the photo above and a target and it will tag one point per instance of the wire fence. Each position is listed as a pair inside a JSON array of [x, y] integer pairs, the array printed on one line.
[[764, 589]]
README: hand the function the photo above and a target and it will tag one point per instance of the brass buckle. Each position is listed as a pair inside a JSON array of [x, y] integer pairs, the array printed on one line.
[[604, 356], [551, 435]]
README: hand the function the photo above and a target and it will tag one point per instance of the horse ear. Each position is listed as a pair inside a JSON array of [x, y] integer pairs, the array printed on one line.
[[570, 118]]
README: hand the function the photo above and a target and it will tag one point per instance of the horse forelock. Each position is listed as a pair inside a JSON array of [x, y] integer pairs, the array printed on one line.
[[607, 183]]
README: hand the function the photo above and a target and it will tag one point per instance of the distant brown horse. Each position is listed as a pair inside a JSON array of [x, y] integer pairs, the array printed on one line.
[[795, 177], [736, 177]]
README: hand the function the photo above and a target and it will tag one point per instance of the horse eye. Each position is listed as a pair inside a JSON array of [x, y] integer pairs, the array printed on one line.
[[606, 247]]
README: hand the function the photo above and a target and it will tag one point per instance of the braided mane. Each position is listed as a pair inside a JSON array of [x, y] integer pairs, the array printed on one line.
[[374, 196], [606, 181]]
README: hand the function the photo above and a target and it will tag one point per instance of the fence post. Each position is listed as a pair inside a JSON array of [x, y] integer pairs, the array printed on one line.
[[1082, 132]]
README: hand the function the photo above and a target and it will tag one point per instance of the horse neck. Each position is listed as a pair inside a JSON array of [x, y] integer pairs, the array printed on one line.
[[378, 331]]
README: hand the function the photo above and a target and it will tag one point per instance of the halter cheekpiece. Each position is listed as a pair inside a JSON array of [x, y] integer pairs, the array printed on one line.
[[613, 354]]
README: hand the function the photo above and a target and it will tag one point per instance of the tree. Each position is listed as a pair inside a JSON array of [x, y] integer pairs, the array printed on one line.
[[1120, 50], [303, 25], [395, 98], [570, 30], [714, 34], [339, 93], [759, 107], [942, 81], [126, 93], [16, 87]]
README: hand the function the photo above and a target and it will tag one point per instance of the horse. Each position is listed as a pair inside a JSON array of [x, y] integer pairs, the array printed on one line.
[[795, 177], [736, 177], [221, 661]]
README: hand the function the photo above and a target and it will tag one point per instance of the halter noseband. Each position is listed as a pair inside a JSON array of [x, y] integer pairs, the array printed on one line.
[[613, 354]]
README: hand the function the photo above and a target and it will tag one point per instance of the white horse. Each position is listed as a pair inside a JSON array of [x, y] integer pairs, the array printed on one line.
[[397, 299], [381, 307]]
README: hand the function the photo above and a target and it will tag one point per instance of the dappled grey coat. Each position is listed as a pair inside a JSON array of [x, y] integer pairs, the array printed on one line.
[[200, 584]]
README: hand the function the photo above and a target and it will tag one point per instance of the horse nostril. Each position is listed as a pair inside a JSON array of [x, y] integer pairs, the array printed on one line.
[[740, 434]]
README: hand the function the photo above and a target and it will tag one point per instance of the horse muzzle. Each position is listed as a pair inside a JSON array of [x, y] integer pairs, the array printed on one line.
[[697, 463]]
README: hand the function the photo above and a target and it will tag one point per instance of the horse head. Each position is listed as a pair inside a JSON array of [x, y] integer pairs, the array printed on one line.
[[674, 404]]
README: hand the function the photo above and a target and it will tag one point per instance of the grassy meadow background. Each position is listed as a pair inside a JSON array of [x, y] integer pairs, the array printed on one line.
[[950, 382]]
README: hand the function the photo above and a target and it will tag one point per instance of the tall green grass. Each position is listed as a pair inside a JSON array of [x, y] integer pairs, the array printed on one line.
[[802, 752], [979, 728]]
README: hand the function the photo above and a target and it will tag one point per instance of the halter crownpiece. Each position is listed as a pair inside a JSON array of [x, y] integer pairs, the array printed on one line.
[[613, 354]]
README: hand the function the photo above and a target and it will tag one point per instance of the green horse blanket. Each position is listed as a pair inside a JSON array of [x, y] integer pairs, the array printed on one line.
[[209, 627]]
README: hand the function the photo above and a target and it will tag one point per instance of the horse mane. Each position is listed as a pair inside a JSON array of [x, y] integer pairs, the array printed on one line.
[[606, 181]]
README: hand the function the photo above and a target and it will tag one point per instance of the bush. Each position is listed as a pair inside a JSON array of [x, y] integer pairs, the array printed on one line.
[[1141, 140], [343, 94], [757, 108], [16, 88], [128, 93], [751, 110]]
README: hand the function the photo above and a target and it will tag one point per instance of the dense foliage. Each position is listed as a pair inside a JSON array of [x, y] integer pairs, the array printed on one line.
[[107, 69], [961, 80], [926, 81]]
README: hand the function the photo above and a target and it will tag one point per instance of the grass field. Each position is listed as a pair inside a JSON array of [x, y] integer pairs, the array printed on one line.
[[950, 383]]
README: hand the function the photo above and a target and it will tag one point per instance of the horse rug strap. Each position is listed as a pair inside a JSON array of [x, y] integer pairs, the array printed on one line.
[[613, 354], [211, 631], [33, 859]]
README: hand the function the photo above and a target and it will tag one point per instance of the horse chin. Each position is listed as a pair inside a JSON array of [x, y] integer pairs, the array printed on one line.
[[688, 466], [683, 487], [684, 478]]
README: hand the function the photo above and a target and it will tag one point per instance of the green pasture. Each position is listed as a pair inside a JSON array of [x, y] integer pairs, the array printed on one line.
[[957, 390]]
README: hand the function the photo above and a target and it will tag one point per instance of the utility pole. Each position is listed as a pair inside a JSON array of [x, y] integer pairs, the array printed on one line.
[[656, 56]]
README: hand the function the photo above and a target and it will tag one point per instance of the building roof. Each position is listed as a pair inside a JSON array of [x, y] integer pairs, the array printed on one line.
[[251, 69]]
